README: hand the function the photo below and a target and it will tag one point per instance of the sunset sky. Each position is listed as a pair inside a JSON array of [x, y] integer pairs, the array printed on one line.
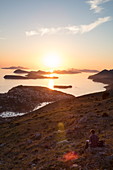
[[77, 33]]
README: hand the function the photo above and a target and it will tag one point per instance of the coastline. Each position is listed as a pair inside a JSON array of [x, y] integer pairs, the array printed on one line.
[[11, 113], [22, 99], [19, 96], [79, 82], [28, 139]]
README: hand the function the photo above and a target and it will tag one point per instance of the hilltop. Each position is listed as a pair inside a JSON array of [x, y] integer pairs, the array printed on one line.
[[26, 98], [105, 76], [46, 138]]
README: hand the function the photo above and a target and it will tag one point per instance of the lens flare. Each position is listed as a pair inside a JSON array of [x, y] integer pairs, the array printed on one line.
[[72, 155]]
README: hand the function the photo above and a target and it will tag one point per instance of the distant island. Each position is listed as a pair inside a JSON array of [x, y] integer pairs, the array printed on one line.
[[69, 71], [89, 71], [14, 67], [20, 71], [66, 71], [29, 77], [40, 74], [75, 71], [14, 77], [62, 86]]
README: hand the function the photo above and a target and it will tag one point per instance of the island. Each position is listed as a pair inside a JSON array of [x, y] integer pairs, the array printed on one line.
[[74, 71], [40, 74], [33, 76], [20, 71], [14, 77], [62, 86], [14, 67]]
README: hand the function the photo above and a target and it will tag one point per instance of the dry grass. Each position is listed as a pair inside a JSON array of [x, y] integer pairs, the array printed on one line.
[[33, 141]]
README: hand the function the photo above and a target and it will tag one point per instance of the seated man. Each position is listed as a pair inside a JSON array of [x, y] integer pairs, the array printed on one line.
[[93, 139]]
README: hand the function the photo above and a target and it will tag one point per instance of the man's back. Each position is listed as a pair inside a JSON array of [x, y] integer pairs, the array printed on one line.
[[94, 140]]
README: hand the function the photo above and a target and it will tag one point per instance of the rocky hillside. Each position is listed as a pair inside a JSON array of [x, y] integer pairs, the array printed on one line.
[[26, 98], [54, 136]]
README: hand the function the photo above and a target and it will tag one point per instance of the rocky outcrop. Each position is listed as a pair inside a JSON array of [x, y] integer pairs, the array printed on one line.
[[26, 98]]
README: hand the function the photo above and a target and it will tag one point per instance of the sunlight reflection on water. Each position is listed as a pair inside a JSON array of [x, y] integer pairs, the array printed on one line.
[[80, 83]]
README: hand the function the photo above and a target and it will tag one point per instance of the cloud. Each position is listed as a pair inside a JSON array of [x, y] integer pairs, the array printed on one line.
[[31, 33], [87, 28], [43, 31], [81, 29], [49, 30], [96, 5]]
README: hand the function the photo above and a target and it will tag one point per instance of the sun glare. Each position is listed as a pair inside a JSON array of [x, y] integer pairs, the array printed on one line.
[[52, 61], [51, 84]]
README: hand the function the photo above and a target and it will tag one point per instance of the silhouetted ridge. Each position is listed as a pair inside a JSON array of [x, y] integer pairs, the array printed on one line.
[[105, 76]]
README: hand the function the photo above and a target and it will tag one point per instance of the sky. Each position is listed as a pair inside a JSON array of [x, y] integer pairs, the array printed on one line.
[[79, 33]]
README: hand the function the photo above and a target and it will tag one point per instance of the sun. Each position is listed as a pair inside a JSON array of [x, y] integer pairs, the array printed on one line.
[[52, 60]]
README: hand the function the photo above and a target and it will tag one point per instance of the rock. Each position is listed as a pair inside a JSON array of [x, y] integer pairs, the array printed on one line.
[[35, 161], [2, 144], [63, 141], [108, 162], [29, 141], [46, 147], [105, 115], [75, 166], [37, 136], [109, 159]]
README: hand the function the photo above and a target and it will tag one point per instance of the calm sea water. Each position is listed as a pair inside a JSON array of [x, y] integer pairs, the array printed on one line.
[[80, 83]]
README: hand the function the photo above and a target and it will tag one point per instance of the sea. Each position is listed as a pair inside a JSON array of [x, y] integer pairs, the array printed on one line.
[[80, 83]]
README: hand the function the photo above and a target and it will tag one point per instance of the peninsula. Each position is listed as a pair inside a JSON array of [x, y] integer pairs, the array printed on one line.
[[105, 76], [26, 98]]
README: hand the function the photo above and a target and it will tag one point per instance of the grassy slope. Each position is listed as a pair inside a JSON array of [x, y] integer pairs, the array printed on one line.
[[32, 141]]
